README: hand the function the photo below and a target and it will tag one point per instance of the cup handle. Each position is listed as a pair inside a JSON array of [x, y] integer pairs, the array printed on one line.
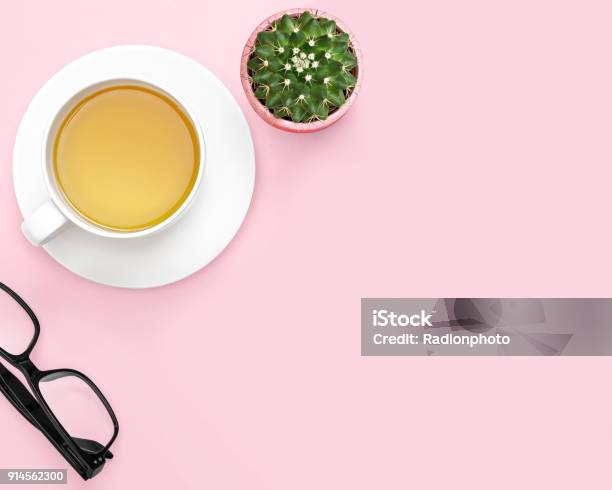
[[46, 222]]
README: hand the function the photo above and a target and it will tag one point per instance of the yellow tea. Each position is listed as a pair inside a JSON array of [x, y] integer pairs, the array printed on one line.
[[126, 157]]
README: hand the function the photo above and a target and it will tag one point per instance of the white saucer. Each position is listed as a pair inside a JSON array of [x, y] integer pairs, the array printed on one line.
[[219, 208]]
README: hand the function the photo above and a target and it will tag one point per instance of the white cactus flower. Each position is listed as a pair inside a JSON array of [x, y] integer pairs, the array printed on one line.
[[311, 56], [303, 55], [299, 69], [327, 55], [315, 64], [287, 66], [296, 50], [308, 78]]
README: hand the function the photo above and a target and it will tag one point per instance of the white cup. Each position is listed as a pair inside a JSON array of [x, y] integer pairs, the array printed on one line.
[[52, 217]]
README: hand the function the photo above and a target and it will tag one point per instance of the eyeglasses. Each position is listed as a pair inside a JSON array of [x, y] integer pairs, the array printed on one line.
[[64, 404]]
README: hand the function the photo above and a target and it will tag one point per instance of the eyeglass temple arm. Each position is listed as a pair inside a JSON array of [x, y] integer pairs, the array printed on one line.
[[90, 446], [29, 407]]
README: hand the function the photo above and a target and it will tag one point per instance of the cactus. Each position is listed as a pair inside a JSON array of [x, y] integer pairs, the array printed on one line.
[[302, 68]]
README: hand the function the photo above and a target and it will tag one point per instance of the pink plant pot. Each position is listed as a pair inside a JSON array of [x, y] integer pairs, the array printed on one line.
[[262, 110]]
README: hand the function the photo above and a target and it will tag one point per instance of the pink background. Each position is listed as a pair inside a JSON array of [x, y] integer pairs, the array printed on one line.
[[475, 162]]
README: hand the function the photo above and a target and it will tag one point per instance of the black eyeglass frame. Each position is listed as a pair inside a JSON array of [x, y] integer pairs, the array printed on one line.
[[87, 457]]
